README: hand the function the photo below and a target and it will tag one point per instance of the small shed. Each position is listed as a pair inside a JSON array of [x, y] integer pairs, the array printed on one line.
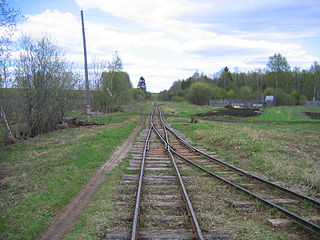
[[270, 101]]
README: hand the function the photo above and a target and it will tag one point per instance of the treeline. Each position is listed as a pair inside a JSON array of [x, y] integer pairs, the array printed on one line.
[[291, 87]]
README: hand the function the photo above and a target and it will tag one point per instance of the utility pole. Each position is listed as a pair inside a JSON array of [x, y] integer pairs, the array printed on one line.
[[86, 69]]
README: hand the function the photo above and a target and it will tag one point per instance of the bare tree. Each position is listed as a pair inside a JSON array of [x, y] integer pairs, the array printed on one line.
[[44, 79], [114, 66], [8, 20], [98, 66]]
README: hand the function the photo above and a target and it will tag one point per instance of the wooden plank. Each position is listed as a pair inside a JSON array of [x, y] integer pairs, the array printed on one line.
[[284, 201], [242, 203], [279, 223]]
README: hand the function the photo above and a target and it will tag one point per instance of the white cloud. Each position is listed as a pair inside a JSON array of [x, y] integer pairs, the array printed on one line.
[[167, 46], [142, 10]]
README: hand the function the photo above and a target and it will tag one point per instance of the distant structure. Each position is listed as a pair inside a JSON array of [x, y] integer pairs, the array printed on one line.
[[261, 101], [142, 84], [313, 103], [270, 101]]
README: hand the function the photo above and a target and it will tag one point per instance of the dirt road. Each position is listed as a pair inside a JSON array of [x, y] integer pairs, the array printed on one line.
[[66, 217]]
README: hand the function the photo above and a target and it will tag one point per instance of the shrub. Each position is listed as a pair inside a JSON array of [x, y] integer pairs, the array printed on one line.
[[302, 100], [284, 98], [269, 91], [45, 84], [177, 99], [199, 93]]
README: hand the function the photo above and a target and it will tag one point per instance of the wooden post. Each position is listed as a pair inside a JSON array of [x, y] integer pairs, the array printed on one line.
[[86, 69]]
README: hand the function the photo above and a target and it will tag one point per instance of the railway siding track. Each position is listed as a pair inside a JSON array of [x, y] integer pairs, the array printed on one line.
[[288, 202], [161, 209]]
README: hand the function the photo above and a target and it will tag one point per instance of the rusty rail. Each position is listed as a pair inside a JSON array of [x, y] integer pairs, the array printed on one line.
[[138, 197], [186, 198], [299, 220]]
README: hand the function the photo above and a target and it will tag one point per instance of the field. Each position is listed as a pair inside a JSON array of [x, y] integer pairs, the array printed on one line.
[[287, 152], [277, 114]]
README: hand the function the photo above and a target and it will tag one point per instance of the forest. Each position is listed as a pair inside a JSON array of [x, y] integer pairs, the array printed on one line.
[[290, 86]]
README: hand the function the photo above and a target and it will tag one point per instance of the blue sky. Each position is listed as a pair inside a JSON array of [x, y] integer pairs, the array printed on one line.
[[167, 40]]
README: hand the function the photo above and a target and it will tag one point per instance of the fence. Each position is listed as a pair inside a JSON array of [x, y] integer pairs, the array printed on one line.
[[236, 102], [313, 103]]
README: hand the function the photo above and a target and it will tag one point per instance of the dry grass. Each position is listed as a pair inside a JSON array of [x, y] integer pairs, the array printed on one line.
[[288, 153]]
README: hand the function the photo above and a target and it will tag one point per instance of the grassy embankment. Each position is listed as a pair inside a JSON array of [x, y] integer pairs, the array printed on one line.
[[41, 175], [283, 152]]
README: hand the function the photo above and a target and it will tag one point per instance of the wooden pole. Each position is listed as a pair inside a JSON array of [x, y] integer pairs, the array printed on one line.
[[86, 69]]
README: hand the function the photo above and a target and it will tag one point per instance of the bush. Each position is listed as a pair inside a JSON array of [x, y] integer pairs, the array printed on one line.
[[199, 93], [219, 93], [285, 98], [245, 93], [231, 94], [45, 84], [117, 86], [269, 92], [302, 100], [178, 99]]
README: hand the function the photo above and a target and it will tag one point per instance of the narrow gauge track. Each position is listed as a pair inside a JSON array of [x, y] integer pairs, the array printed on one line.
[[288, 202], [188, 205], [162, 208]]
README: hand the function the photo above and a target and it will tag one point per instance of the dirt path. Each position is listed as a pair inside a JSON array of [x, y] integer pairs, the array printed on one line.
[[66, 217]]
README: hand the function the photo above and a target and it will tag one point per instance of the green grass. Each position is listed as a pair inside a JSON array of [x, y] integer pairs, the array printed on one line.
[[154, 95], [287, 153], [286, 113], [41, 175], [98, 214], [212, 210], [185, 109], [3, 131]]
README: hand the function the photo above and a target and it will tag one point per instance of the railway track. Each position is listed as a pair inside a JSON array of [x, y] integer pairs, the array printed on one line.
[[170, 174]]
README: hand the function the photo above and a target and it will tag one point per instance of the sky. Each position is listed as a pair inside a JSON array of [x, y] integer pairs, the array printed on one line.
[[168, 40]]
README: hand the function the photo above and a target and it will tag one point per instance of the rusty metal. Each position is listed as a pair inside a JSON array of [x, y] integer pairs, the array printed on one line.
[[191, 212], [186, 198], [138, 197], [299, 220]]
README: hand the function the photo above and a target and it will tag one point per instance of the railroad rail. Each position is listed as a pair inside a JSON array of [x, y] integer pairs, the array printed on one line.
[[195, 231], [168, 204], [304, 222]]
